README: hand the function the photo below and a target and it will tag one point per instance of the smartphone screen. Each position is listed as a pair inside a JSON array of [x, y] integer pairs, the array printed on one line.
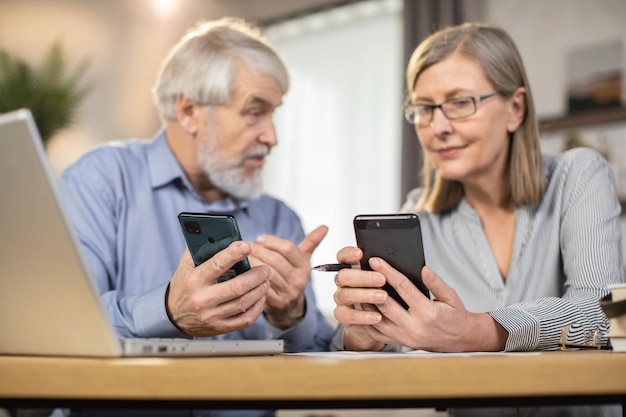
[[207, 234], [396, 238]]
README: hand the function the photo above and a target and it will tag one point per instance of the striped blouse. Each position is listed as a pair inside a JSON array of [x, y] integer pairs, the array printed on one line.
[[566, 251]]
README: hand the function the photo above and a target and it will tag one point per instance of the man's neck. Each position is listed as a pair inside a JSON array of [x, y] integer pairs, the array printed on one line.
[[203, 186], [185, 151]]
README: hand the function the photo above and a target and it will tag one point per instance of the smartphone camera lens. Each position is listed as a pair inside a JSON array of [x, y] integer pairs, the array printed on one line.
[[373, 224], [193, 228]]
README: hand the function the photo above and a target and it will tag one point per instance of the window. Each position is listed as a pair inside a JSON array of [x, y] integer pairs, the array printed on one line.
[[339, 129]]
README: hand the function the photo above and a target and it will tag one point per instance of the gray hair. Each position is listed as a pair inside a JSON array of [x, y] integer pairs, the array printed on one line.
[[200, 66]]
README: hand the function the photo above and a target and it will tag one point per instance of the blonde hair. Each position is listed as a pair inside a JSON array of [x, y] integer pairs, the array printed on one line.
[[494, 50]]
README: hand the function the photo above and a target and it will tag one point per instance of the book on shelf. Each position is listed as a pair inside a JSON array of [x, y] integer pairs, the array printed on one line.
[[615, 309]]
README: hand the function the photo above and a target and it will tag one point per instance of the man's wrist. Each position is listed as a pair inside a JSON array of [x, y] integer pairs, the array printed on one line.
[[288, 318]]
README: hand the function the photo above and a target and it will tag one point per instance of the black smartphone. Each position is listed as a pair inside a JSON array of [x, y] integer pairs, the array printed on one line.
[[396, 238], [206, 234]]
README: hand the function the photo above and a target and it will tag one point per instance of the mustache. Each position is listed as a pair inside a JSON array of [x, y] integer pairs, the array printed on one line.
[[257, 151]]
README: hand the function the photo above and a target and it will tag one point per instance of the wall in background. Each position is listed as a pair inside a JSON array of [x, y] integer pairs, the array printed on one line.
[[125, 41], [339, 128], [545, 32]]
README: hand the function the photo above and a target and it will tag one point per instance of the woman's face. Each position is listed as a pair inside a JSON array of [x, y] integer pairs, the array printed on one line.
[[473, 149]]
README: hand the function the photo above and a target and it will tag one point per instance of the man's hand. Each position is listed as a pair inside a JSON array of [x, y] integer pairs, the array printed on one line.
[[200, 306], [290, 267]]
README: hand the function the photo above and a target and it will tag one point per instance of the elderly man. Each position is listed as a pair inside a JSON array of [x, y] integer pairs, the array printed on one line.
[[216, 93]]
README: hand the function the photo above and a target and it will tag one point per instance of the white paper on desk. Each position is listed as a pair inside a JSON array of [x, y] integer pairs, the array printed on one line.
[[408, 354]]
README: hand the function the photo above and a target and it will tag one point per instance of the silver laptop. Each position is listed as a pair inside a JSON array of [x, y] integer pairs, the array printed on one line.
[[48, 303]]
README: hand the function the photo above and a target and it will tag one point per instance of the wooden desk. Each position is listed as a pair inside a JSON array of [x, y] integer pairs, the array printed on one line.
[[305, 382]]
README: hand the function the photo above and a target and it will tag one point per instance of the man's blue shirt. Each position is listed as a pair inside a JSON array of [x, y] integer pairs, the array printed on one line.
[[123, 199]]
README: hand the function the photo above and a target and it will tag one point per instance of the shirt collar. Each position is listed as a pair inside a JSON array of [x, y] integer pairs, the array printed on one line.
[[165, 169], [163, 165]]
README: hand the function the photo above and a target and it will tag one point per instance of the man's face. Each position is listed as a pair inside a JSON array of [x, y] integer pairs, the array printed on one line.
[[237, 136]]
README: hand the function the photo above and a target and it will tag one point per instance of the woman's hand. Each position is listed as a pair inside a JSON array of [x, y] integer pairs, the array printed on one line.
[[442, 324], [357, 293]]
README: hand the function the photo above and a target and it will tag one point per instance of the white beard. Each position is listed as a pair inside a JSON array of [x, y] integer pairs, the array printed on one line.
[[227, 175]]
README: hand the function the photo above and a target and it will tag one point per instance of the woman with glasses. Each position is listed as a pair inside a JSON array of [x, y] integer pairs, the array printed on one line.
[[518, 245]]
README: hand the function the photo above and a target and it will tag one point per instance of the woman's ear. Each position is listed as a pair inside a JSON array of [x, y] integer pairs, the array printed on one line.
[[185, 114], [517, 109]]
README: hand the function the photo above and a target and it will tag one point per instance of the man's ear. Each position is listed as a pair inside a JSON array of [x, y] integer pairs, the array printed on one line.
[[517, 109], [185, 114]]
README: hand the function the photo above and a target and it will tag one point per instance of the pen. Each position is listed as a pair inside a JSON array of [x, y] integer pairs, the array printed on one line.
[[331, 267]]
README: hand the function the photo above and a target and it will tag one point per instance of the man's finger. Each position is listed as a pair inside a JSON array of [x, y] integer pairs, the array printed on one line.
[[225, 259], [313, 239]]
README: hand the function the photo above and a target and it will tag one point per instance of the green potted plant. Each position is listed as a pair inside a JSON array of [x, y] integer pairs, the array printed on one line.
[[49, 90]]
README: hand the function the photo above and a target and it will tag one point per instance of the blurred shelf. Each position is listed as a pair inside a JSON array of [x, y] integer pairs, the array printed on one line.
[[582, 119]]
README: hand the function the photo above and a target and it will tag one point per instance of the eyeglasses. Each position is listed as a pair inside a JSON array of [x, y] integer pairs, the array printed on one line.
[[575, 331], [453, 109]]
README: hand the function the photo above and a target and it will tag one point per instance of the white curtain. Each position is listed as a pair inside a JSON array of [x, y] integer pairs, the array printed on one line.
[[339, 129]]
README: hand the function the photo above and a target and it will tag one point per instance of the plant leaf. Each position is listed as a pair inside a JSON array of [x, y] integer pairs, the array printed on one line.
[[49, 90]]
